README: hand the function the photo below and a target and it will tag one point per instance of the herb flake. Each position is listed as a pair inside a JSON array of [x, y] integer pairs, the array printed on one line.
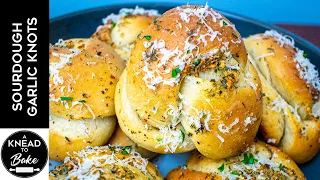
[[183, 135], [234, 172], [175, 71], [147, 37], [224, 23], [65, 98], [82, 101], [221, 168], [305, 55], [280, 166]]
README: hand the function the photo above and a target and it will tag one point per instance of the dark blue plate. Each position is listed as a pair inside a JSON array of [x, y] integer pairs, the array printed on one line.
[[82, 24]]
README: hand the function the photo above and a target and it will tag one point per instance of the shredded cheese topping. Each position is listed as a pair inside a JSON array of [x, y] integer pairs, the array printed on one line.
[[226, 129], [158, 55], [282, 40], [316, 109], [279, 104], [89, 163], [271, 140], [304, 66], [170, 138], [125, 11]]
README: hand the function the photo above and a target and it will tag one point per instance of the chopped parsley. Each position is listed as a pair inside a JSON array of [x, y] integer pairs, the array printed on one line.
[[183, 135], [196, 62], [221, 168], [126, 150], [155, 21], [114, 25], [280, 166], [147, 37], [249, 159], [82, 101], [188, 51], [305, 55], [127, 13], [159, 139], [175, 71], [224, 23], [65, 98], [112, 149], [234, 172]]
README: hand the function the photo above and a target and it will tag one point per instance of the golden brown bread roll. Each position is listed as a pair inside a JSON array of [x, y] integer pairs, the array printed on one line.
[[83, 77], [259, 161], [119, 138], [121, 30], [290, 86], [194, 91], [106, 162]]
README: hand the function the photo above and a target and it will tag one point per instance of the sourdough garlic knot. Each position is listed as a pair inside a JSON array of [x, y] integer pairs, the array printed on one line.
[[290, 86], [188, 85]]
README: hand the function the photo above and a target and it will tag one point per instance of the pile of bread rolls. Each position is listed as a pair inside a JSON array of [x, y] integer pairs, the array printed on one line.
[[178, 82]]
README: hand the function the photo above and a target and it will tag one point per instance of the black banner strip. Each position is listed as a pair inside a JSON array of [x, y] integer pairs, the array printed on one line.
[[25, 65]]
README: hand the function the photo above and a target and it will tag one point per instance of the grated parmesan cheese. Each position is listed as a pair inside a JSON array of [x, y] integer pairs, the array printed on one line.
[[307, 70], [316, 109], [226, 129], [84, 104], [90, 163], [220, 138], [249, 120], [271, 140], [282, 40], [125, 11], [170, 138]]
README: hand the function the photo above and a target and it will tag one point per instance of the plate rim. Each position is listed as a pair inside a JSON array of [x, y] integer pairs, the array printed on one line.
[[174, 3]]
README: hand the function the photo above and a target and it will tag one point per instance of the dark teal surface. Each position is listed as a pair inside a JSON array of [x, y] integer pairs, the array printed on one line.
[[83, 24]]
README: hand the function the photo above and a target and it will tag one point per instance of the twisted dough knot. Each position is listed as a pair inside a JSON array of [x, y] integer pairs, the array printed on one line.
[[188, 84], [106, 162], [83, 77], [290, 86], [259, 160]]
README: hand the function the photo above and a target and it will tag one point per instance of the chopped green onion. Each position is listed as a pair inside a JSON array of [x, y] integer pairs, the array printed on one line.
[[126, 150], [183, 135], [147, 37], [221, 168], [159, 139], [64, 98], [155, 21], [188, 51], [114, 25], [82, 101]]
